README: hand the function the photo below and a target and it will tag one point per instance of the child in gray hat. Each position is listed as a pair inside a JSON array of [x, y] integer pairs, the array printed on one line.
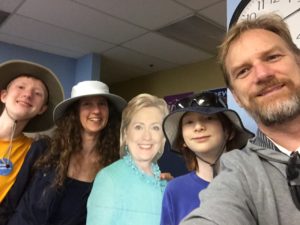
[[200, 128], [26, 105]]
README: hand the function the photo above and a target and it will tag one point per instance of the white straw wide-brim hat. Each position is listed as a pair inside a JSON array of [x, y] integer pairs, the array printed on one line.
[[172, 121], [10, 70], [86, 89]]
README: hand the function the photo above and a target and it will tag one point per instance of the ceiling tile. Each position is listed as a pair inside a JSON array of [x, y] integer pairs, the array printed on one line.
[[130, 57], [49, 35], [9, 5], [81, 19], [20, 41], [197, 32], [151, 14], [198, 4], [216, 13], [119, 64], [164, 48]]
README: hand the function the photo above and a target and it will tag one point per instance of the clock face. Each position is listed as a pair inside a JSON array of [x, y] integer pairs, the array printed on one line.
[[289, 10]]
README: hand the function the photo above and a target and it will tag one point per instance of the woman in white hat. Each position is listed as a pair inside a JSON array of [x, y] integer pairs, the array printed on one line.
[[86, 140], [129, 191], [26, 105], [200, 128]]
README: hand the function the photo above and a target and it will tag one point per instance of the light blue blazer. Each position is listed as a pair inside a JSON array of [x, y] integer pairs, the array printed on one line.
[[123, 195]]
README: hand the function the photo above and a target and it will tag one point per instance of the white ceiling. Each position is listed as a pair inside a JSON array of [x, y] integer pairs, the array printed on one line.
[[122, 31]]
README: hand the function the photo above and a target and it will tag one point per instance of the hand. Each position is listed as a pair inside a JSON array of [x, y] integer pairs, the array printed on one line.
[[166, 176]]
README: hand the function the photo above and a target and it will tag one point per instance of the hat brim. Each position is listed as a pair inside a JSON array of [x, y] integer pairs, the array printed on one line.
[[61, 108], [171, 125], [9, 70]]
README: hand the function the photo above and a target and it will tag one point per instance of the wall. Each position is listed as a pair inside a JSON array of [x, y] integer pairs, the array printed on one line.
[[68, 70], [88, 67], [63, 67], [193, 77]]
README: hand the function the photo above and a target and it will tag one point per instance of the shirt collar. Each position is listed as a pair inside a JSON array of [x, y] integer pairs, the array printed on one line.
[[283, 149]]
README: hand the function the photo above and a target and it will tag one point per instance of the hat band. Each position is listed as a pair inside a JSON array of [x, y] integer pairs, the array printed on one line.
[[203, 99]]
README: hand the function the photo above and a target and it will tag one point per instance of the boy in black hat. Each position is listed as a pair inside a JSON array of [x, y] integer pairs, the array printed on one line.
[[200, 128]]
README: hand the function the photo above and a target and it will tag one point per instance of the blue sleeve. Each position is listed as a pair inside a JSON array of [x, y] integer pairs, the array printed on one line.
[[229, 199], [102, 203], [167, 217]]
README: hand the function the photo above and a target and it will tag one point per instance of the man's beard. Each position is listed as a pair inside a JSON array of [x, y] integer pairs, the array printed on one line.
[[279, 110]]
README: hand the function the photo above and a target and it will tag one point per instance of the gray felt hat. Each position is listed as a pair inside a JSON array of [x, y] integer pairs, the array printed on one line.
[[10, 70]]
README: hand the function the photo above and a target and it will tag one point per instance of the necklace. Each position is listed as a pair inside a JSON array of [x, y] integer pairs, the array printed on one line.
[[6, 165], [153, 180]]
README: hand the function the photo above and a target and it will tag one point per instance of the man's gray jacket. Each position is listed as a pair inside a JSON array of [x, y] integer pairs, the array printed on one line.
[[251, 189]]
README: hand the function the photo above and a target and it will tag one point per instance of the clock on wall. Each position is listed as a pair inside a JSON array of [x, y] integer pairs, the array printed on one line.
[[289, 10]]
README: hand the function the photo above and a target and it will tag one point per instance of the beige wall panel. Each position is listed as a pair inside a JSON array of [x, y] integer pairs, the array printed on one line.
[[194, 77]]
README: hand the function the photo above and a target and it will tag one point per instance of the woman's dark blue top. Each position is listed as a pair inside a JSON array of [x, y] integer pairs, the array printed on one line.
[[42, 204]]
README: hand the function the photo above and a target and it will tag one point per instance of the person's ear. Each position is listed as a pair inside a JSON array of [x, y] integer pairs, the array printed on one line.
[[230, 135], [3, 95], [184, 147], [125, 135], [298, 58]]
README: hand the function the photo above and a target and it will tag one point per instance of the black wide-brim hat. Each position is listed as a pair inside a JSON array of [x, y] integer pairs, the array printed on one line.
[[10, 70], [172, 121]]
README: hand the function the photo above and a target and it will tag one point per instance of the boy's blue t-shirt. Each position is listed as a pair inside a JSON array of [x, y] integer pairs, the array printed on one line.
[[181, 197]]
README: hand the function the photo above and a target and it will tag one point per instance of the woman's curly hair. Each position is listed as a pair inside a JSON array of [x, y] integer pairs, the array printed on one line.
[[67, 139]]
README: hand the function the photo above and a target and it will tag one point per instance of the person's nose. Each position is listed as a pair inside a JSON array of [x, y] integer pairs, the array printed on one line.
[[262, 71], [147, 134], [199, 126], [96, 109], [28, 93]]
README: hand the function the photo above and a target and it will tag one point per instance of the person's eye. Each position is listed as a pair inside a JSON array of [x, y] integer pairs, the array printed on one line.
[[85, 103], [103, 103], [20, 87], [156, 128], [37, 93], [186, 122], [138, 127], [241, 73], [273, 57]]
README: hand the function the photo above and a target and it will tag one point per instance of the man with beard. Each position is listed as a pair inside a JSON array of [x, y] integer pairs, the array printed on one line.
[[261, 184]]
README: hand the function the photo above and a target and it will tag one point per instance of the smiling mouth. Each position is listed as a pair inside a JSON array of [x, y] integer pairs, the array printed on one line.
[[200, 139], [95, 119], [145, 146], [23, 103], [270, 90]]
